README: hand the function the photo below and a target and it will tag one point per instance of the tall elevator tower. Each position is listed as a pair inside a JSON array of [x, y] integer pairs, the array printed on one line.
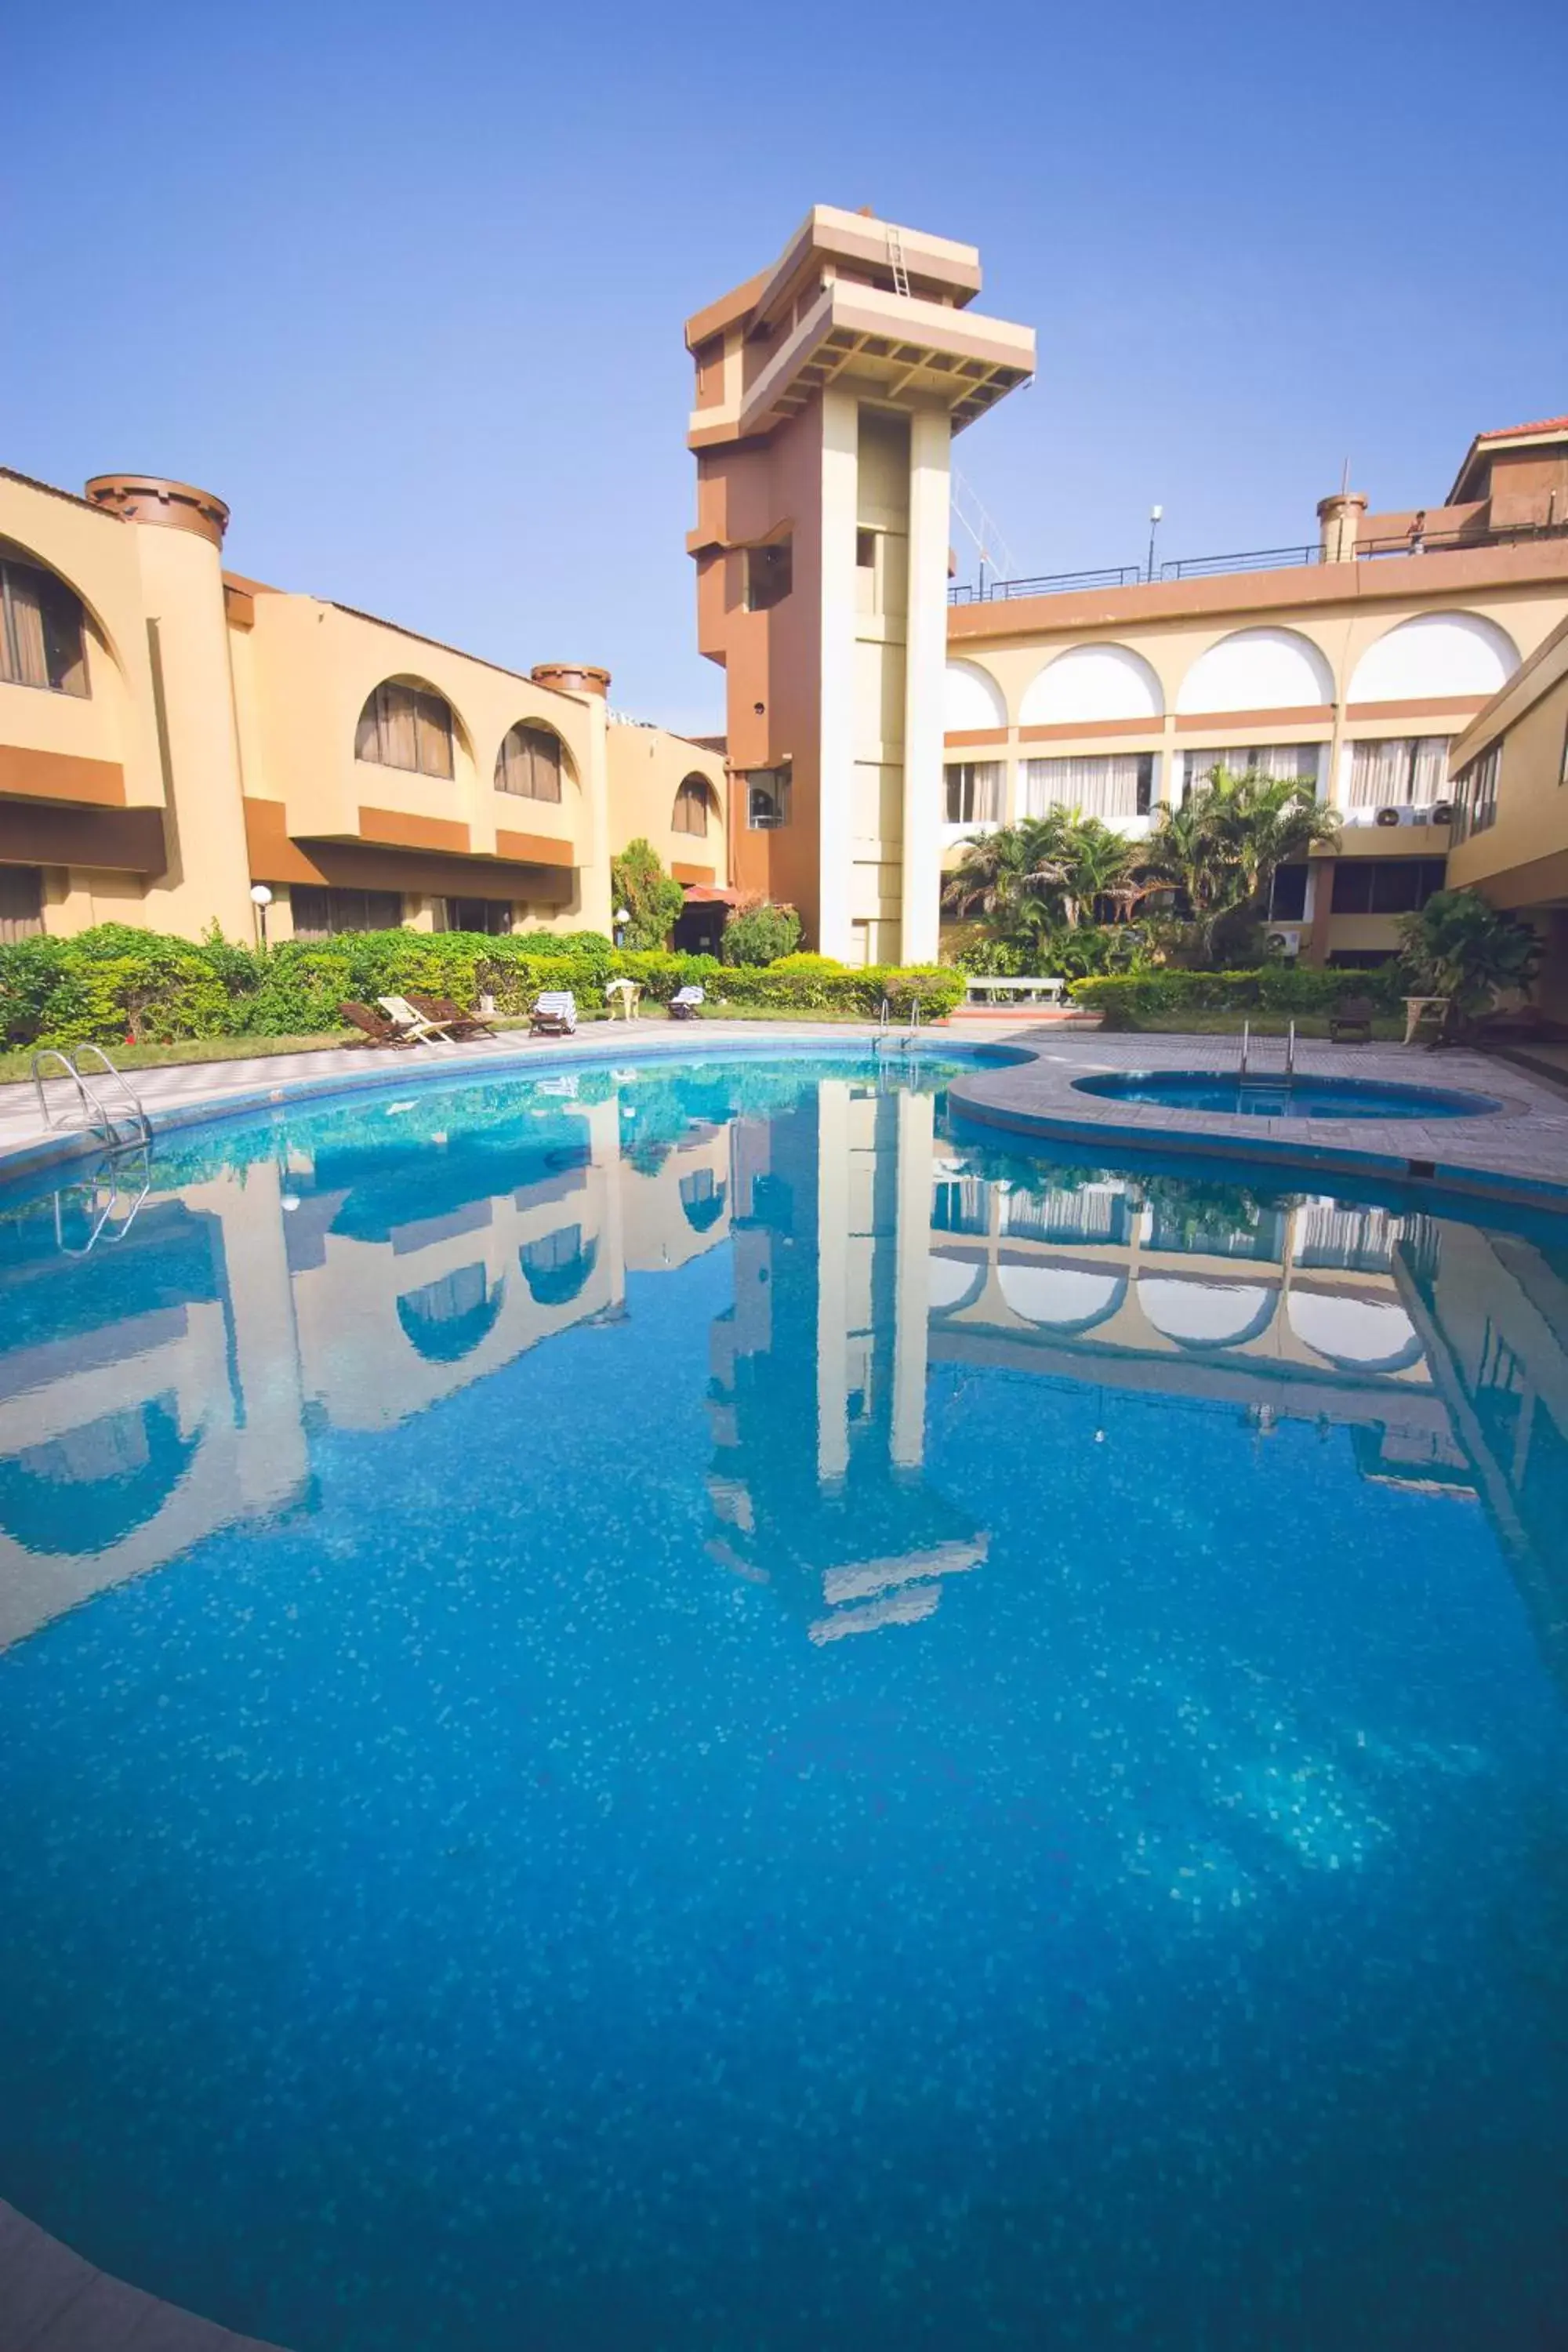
[[828, 390]]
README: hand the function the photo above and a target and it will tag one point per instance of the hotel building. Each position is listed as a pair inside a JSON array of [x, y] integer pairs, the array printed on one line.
[[1510, 807], [828, 389], [172, 733]]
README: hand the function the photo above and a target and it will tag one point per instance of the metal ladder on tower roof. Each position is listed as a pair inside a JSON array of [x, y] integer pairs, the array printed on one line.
[[896, 260]]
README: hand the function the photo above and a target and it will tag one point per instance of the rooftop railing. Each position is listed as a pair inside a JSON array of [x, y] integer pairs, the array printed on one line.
[[1052, 583], [1252, 559], [1434, 542]]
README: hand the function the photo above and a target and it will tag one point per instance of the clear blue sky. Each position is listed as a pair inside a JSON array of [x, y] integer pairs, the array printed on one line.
[[404, 283]]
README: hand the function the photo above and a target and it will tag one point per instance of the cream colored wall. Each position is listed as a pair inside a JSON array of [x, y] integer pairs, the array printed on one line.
[[1532, 800], [96, 555], [208, 875], [316, 668], [645, 769], [1527, 612]]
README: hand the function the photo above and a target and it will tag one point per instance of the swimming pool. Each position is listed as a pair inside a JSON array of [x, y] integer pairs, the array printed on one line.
[[1281, 1098], [662, 1707]]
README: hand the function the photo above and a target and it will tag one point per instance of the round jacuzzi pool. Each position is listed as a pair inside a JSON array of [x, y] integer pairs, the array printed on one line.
[[1282, 1097]]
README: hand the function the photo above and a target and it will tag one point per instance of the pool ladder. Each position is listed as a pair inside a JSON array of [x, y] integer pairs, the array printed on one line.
[[85, 1110], [1289, 1049], [886, 1042], [108, 1198]]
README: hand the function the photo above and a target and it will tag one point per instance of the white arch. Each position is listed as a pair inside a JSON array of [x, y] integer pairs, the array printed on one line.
[[1203, 1314], [1258, 669], [970, 699], [1370, 1334], [953, 1281], [1093, 682], [1435, 654], [1060, 1297]]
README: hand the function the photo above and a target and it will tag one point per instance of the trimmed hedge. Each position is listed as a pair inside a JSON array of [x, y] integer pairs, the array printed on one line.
[[1126, 999], [115, 984]]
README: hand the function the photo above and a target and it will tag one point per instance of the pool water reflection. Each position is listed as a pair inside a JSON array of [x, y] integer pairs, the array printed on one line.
[[677, 1708]]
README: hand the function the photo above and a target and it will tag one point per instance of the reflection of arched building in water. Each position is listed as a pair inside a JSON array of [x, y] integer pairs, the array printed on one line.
[[819, 1369], [1492, 1313], [1155, 1284], [162, 1387]]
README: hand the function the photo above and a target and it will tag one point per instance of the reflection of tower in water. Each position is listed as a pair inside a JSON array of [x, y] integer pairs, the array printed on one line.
[[819, 1368]]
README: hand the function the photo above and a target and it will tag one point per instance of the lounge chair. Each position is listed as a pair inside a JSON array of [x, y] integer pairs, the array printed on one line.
[[555, 1014], [684, 1004], [378, 1030], [1349, 1022], [414, 1025], [450, 1017]]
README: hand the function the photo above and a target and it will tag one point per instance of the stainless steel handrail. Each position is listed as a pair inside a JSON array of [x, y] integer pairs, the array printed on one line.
[[94, 1118]]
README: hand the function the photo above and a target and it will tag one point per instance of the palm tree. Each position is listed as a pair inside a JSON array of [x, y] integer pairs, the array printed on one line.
[[1222, 848], [1039, 875]]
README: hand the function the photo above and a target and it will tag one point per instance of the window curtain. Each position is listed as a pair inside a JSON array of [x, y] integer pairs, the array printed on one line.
[[399, 734], [973, 791], [21, 902], [25, 611], [1408, 770], [433, 736], [528, 764], [1279, 763], [400, 727], [690, 809], [1105, 787]]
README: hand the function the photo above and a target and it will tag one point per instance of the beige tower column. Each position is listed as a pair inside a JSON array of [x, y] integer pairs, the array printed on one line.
[[179, 539], [1339, 522], [604, 1155], [589, 685], [832, 1279], [836, 738], [271, 1453], [911, 1277], [931, 453]]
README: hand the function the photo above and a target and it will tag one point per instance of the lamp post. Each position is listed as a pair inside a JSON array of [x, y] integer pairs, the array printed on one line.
[[622, 917], [1156, 515], [261, 898]]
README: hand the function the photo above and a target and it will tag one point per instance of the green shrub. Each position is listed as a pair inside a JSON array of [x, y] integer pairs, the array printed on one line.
[[762, 934], [114, 982], [1128, 999], [653, 901], [843, 989]]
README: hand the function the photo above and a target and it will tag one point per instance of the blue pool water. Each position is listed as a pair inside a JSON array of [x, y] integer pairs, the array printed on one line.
[[1284, 1097], [675, 1709]]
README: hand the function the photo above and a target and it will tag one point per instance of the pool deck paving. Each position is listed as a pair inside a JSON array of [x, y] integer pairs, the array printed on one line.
[[52, 2301], [1520, 1151]]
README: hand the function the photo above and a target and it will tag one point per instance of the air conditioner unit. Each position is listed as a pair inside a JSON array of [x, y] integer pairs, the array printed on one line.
[[1390, 816], [1289, 942], [1440, 812]]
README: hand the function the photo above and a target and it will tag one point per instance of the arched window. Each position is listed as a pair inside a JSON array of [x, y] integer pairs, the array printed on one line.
[[405, 725], [692, 803], [41, 639], [531, 763]]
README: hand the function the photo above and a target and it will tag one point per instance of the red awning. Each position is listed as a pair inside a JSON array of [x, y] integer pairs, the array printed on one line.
[[704, 894]]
